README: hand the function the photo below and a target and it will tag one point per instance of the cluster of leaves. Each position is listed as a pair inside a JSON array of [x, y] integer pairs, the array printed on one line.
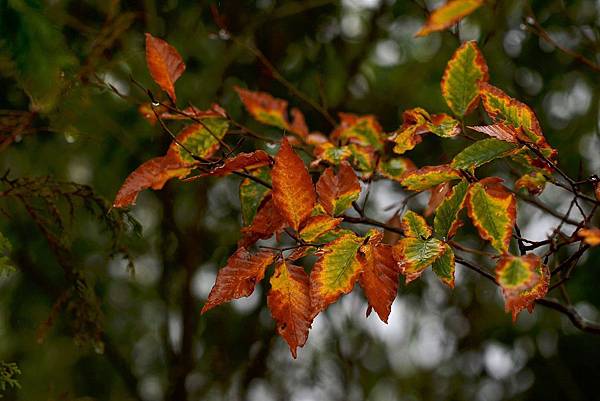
[[8, 372], [283, 197]]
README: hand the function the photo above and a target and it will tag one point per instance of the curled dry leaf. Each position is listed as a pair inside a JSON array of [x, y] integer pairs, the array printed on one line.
[[448, 14], [165, 64]]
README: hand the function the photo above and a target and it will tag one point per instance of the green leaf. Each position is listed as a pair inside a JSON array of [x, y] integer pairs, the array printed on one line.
[[482, 152], [460, 83], [446, 215], [444, 266], [414, 255], [428, 177], [414, 225], [253, 193]]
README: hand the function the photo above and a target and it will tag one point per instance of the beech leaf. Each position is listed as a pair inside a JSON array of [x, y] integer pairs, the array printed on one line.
[[338, 191], [164, 63]]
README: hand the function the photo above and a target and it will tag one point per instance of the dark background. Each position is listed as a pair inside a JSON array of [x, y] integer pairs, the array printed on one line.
[[82, 326]]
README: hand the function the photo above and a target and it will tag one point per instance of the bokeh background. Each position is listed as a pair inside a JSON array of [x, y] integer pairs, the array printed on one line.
[[82, 323]]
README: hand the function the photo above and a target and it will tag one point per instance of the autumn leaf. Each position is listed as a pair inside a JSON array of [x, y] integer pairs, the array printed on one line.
[[493, 209], [405, 139], [438, 194], [414, 255], [523, 279], [534, 183], [289, 303], [414, 225], [327, 152], [316, 226], [253, 193], [460, 82], [504, 109], [395, 167], [482, 152], [201, 140], [445, 222], [443, 125], [266, 222], [359, 130], [503, 132], [164, 63], [379, 277], [448, 14], [293, 190], [428, 177], [591, 236], [338, 191], [241, 161], [363, 158], [154, 174], [239, 277], [272, 111], [335, 272], [444, 266], [418, 121]]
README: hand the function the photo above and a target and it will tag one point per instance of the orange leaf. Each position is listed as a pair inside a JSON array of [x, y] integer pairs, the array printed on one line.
[[165, 64], [379, 278], [293, 190], [318, 225], [499, 131], [154, 173], [267, 222], [239, 277], [448, 14], [289, 302], [337, 192], [359, 130], [591, 236]]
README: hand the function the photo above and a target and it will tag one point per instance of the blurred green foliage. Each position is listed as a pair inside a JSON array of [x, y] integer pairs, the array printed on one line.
[[80, 324]]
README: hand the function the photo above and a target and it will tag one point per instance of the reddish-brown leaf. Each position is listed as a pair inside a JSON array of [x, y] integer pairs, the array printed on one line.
[[267, 222], [241, 161], [289, 302], [337, 192], [499, 131], [293, 189], [239, 277], [154, 173], [165, 64], [379, 277], [438, 194]]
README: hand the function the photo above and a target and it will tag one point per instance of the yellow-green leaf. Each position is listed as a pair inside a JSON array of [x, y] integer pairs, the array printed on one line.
[[493, 210], [201, 140], [534, 183], [316, 226], [444, 266], [428, 177], [460, 84], [335, 272], [359, 130], [414, 225], [394, 168], [445, 221], [414, 255], [252, 193]]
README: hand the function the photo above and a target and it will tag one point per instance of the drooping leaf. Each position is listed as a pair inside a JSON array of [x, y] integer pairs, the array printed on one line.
[[444, 266], [448, 14], [417, 122], [241, 161], [154, 174], [267, 221], [394, 168], [272, 111], [445, 222], [252, 193], [493, 210], [414, 255], [289, 303], [482, 152], [338, 191], [503, 108], [429, 176], [499, 131], [534, 183], [359, 130], [438, 194], [293, 189], [239, 277], [201, 140], [316, 226], [164, 63], [414, 225], [379, 277], [523, 279], [406, 139], [591, 236], [335, 272], [460, 83]]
